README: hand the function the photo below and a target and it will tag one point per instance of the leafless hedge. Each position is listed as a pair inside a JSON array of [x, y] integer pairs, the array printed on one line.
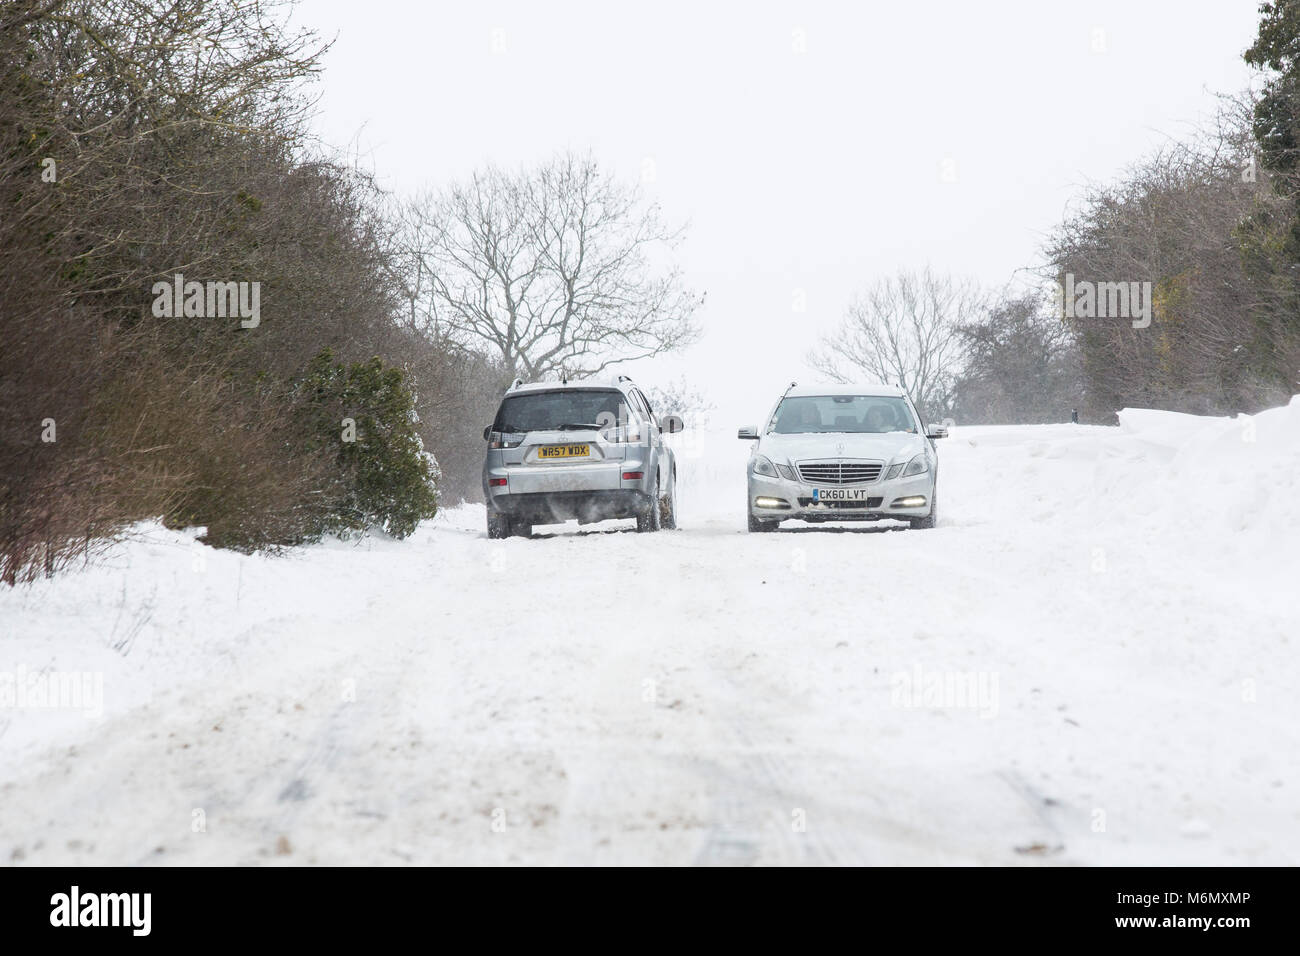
[[139, 140]]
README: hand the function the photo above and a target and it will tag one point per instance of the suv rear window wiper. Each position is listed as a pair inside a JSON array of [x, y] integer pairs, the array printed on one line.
[[570, 426]]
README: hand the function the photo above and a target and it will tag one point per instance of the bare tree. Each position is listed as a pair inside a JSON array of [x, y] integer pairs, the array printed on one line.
[[904, 330], [554, 268], [1208, 227], [1022, 364], [679, 397], [140, 139]]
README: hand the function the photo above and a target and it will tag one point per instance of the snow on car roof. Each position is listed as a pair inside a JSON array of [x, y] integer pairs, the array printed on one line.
[[863, 389], [555, 386]]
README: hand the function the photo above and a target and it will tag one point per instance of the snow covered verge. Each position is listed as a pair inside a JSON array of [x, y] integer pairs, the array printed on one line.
[[1093, 659]]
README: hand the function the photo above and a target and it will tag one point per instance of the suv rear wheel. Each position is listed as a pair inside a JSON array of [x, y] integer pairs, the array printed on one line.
[[668, 508], [503, 526], [652, 518]]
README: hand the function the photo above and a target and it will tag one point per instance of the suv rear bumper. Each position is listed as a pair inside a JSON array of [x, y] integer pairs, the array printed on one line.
[[550, 507]]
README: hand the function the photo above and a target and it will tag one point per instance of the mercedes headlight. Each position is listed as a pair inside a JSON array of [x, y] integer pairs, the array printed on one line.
[[917, 466]]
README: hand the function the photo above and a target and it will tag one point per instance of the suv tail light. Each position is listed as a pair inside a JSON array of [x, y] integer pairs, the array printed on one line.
[[505, 439], [496, 482], [633, 475]]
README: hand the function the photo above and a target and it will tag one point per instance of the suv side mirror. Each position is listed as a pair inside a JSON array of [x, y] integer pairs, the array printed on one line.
[[936, 431], [486, 432], [671, 424], [749, 432]]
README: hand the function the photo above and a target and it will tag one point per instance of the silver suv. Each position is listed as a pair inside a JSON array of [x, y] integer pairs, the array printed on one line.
[[843, 453], [558, 451]]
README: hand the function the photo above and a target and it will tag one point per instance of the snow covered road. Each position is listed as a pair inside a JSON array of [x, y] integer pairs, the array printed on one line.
[[1093, 659]]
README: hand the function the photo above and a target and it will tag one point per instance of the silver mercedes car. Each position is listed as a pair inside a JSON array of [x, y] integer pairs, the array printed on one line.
[[560, 450], [843, 453]]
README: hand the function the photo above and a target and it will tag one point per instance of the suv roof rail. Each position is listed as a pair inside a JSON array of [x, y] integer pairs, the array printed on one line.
[[625, 378], [515, 384]]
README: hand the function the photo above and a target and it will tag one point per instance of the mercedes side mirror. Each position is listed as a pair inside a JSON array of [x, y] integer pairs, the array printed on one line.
[[936, 431], [749, 432]]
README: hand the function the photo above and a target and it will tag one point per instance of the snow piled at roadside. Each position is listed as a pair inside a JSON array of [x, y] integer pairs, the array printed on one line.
[[1239, 474], [1127, 593]]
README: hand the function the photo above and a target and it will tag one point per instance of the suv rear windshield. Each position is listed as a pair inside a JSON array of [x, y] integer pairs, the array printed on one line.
[[543, 411], [842, 413]]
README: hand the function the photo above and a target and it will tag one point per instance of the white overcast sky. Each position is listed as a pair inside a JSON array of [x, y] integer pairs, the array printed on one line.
[[816, 170]]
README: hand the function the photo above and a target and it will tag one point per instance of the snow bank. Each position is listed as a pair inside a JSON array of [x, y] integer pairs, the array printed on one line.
[[1231, 474]]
